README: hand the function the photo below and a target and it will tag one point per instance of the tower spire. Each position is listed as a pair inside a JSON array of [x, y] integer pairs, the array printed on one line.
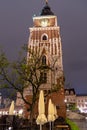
[[46, 1]]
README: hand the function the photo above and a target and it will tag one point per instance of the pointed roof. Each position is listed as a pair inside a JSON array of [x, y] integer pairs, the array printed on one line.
[[46, 10]]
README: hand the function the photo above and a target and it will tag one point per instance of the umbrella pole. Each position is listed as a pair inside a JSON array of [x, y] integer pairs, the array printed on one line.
[[40, 127], [50, 125]]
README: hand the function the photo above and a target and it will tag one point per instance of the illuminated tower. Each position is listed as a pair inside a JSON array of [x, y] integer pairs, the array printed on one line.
[[45, 36]]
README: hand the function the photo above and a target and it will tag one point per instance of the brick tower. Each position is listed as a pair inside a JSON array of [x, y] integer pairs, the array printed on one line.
[[45, 35]]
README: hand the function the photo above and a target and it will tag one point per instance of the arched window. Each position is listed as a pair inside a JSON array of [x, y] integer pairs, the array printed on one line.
[[43, 75], [44, 37], [43, 60]]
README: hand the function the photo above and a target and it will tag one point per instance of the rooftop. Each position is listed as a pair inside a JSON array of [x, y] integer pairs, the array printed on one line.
[[46, 10]]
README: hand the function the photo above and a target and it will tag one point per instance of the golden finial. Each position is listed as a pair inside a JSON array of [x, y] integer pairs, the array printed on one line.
[[46, 1]]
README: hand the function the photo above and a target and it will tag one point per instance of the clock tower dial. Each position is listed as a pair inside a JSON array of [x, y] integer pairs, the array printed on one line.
[[44, 22]]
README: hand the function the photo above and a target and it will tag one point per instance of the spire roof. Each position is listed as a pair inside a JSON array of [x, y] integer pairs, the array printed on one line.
[[46, 10]]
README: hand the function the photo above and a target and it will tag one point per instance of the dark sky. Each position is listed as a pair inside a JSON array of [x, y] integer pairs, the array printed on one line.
[[16, 18]]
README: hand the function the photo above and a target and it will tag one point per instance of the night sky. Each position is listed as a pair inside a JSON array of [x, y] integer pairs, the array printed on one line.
[[16, 18]]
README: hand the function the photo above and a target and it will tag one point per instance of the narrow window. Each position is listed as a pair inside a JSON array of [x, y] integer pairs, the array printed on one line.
[[43, 60], [43, 77]]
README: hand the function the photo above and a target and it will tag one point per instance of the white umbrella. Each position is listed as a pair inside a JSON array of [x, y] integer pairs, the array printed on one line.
[[41, 119], [55, 112], [11, 109], [51, 116]]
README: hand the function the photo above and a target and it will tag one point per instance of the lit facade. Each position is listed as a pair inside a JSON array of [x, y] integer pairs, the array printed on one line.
[[71, 98], [81, 103], [45, 37]]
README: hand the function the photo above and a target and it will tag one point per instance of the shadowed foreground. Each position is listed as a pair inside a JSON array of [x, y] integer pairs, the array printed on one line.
[[17, 123]]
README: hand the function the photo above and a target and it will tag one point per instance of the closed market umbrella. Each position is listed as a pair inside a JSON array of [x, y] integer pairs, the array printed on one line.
[[11, 109], [55, 112], [41, 119], [51, 116]]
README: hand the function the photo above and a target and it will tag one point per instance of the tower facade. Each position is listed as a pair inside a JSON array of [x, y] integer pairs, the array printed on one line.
[[45, 37]]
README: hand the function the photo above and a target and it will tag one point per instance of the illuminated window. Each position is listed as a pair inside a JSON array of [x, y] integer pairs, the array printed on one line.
[[71, 92], [67, 92]]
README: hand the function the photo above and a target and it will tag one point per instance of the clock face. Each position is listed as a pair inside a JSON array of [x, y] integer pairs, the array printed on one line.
[[44, 22]]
